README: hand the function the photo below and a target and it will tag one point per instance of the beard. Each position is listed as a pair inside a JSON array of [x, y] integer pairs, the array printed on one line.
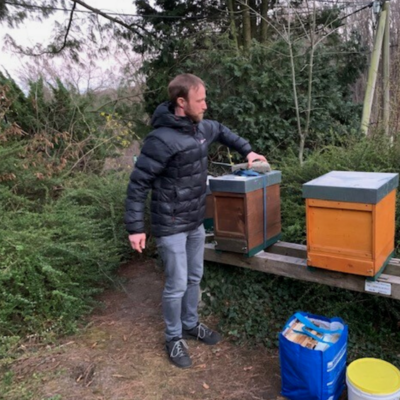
[[194, 117]]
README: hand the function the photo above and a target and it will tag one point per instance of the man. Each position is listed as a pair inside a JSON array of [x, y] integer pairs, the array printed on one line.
[[173, 164]]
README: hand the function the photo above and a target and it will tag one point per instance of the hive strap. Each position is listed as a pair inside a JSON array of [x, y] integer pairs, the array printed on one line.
[[246, 172], [250, 172], [308, 324]]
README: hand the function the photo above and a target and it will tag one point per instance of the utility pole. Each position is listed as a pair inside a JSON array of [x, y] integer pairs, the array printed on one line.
[[386, 69], [373, 69]]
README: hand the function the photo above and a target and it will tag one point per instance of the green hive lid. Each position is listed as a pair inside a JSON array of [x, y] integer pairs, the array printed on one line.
[[244, 184], [351, 186]]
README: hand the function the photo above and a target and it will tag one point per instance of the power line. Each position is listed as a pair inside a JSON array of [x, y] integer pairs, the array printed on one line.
[[109, 13], [369, 5], [308, 12], [279, 14], [358, 3], [352, 3]]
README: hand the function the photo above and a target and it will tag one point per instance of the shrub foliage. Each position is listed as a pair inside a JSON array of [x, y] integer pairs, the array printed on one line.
[[54, 259]]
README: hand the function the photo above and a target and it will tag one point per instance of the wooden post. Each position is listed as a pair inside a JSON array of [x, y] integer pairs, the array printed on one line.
[[386, 69], [372, 73]]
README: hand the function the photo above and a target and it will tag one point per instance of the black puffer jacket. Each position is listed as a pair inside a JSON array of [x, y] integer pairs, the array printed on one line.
[[173, 163]]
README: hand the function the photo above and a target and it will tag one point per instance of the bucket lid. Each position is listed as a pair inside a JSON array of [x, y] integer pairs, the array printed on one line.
[[374, 376]]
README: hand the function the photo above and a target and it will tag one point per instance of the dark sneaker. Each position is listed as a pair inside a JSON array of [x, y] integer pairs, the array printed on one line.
[[202, 333], [177, 350]]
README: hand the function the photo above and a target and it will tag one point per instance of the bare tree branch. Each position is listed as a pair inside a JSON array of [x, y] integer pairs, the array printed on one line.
[[110, 18], [137, 28], [67, 31]]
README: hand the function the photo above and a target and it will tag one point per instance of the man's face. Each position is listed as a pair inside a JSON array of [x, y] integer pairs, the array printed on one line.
[[195, 105]]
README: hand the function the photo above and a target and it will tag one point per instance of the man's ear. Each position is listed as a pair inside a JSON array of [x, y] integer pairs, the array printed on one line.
[[180, 102]]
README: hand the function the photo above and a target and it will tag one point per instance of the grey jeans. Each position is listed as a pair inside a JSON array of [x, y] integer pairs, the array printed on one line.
[[183, 258]]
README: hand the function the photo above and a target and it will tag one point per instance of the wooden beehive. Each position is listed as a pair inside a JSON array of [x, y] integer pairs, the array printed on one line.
[[247, 216], [351, 221]]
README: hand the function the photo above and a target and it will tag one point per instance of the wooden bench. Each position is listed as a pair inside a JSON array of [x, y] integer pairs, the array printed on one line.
[[290, 260]]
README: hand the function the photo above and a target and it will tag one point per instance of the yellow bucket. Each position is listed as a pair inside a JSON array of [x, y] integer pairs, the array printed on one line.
[[371, 378]]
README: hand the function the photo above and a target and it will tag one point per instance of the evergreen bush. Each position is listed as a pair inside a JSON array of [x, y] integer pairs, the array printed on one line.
[[54, 260]]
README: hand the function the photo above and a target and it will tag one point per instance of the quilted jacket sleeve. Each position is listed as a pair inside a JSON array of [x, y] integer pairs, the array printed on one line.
[[220, 133], [150, 164]]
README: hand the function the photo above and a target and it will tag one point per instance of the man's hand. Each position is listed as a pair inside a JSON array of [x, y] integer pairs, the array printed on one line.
[[138, 241], [253, 157]]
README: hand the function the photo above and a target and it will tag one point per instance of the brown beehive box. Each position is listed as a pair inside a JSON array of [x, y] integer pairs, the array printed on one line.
[[209, 215], [247, 216], [351, 221]]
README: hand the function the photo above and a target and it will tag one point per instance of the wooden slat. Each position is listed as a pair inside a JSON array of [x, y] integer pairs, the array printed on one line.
[[296, 267], [300, 251], [329, 204], [237, 245], [289, 249]]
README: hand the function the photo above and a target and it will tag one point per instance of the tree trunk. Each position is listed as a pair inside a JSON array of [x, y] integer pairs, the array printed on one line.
[[310, 79], [233, 23], [264, 23], [246, 25], [253, 19], [295, 97]]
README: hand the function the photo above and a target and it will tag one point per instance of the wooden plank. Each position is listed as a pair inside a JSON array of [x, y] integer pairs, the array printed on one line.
[[238, 245], [329, 204], [289, 249], [300, 251], [295, 267]]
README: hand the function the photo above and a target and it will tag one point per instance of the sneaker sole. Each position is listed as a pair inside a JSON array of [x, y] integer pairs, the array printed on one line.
[[200, 340]]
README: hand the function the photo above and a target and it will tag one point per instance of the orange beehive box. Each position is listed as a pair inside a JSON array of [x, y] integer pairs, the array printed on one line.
[[351, 221]]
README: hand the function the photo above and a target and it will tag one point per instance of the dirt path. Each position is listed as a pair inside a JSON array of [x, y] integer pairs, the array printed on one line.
[[120, 356]]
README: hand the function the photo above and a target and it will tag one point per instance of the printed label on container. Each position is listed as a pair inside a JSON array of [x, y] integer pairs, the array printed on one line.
[[378, 287]]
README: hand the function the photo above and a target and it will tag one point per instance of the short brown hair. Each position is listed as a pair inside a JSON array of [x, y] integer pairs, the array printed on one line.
[[181, 84]]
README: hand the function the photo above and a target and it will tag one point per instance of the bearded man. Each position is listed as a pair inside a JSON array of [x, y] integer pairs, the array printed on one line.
[[173, 165]]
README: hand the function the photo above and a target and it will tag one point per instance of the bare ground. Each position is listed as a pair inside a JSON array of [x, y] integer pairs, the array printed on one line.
[[120, 356]]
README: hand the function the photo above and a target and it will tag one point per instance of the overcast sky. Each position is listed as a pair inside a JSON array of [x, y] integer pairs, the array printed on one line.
[[32, 32]]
